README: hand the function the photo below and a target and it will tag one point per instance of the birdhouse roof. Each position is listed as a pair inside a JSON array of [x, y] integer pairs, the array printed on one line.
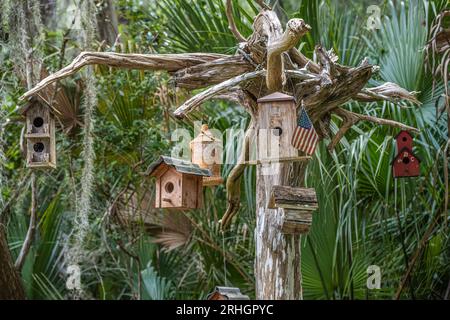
[[401, 132], [30, 103], [179, 165], [277, 96], [293, 198], [403, 150], [228, 292], [205, 135]]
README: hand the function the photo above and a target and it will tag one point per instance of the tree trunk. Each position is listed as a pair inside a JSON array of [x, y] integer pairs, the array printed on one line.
[[107, 22], [277, 267], [11, 287]]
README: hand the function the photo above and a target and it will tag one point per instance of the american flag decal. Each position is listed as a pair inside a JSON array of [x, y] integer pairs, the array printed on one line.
[[305, 137]]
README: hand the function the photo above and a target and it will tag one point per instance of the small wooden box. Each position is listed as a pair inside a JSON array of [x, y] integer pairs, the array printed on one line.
[[179, 184], [298, 203], [406, 164]]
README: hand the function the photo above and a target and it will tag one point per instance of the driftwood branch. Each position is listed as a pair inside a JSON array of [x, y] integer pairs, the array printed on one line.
[[31, 229], [388, 92], [295, 29], [167, 62], [351, 118], [231, 24], [198, 99], [234, 180]]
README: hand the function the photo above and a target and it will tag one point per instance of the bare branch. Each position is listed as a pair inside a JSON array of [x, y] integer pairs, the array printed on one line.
[[388, 91], [352, 118], [295, 29], [31, 229], [231, 24], [195, 101], [167, 62]]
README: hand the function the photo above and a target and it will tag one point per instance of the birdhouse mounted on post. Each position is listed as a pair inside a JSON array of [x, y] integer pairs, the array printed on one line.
[[206, 152], [227, 293], [298, 204], [39, 135], [277, 114], [179, 184]]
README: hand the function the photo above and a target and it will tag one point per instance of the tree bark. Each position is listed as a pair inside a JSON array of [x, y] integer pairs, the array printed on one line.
[[11, 287]]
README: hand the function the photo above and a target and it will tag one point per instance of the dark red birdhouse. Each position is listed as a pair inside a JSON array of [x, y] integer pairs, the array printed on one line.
[[404, 140], [406, 164]]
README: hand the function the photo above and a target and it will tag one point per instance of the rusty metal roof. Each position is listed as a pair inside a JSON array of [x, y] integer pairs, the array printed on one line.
[[277, 96], [180, 165], [229, 293]]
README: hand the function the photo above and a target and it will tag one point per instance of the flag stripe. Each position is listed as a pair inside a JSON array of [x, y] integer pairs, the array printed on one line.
[[305, 138]]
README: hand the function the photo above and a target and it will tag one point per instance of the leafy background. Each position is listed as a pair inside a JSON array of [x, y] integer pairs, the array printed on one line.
[[135, 252]]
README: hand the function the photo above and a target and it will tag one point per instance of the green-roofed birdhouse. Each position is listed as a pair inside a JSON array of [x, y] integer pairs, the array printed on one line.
[[179, 183], [39, 135]]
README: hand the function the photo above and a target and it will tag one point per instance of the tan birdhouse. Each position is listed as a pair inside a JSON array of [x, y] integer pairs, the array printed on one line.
[[39, 135], [179, 183], [277, 117], [206, 152], [227, 293], [298, 204]]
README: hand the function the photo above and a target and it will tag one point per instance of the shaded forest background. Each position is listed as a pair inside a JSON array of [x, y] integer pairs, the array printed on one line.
[[133, 251]]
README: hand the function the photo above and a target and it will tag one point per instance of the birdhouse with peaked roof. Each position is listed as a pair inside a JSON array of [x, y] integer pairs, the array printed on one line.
[[227, 293], [404, 140], [206, 152], [277, 118], [179, 183], [405, 164], [39, 134], [298, 204]]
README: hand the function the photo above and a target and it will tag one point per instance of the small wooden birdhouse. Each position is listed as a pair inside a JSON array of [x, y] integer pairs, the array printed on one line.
[[404, 140], [179, 183], [406, 164], [206, 152], [227, 293], [298, 204], [277, 115], [39, 135]]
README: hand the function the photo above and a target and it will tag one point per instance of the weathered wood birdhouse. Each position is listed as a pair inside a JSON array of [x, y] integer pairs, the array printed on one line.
[[227, 293], [39, 135], [298, 204], [406, 164], [206, 152], [404, 140], [179, 183], [277, 118]]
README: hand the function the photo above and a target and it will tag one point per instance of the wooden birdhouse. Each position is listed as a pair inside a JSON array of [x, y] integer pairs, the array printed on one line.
[[206, 152], [277, 117], [404, 140], [227, 293], [39, 135], [298, 204], [406, 164], [179, 183]]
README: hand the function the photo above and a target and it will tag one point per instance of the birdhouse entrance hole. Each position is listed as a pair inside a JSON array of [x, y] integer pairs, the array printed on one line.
[[278, 131], [38, 147], [169, 187], [38, 122], [405, 160]]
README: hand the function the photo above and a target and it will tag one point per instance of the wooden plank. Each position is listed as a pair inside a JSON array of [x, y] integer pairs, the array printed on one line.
[[293, 198], [279, 160]]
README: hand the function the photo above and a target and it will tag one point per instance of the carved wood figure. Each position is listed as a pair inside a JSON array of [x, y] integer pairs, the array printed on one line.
[[206, 152], [227, 293], [266, 61], [39, 135], [179, 184], [298, 205]]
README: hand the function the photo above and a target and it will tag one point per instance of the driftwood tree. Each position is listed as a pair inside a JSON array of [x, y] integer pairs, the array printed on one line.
[[267, 61]]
